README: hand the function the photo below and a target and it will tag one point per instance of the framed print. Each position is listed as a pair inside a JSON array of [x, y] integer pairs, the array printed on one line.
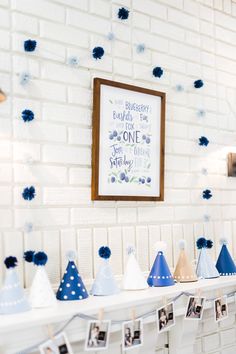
[[165, 317], [128, 142]]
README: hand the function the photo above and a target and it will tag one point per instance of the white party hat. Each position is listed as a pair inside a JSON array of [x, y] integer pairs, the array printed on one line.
[[133, 277]]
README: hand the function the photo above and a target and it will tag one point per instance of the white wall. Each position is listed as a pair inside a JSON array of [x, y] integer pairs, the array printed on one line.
[[190, 40]]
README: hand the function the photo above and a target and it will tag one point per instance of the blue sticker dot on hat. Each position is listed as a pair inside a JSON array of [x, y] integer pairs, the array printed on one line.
[[72, 286]]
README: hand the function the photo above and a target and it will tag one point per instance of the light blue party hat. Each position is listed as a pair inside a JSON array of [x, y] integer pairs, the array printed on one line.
[[160, 274], [12, 297], [205, 267], [104, 283], [72, 286], [225, 264]]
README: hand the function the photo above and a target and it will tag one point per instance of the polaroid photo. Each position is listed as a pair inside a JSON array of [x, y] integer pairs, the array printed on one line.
[[195, 308], [98, 334], [165, 317], [132, 334], [58, 345], [220, 308]]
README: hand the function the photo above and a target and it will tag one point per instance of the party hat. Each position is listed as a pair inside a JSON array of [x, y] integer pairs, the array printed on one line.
[[104, 283], [225, 264], [205, 266], [72, 286], [160, 274], [12, 297], [184, 271], [133, 277], [41, 293]]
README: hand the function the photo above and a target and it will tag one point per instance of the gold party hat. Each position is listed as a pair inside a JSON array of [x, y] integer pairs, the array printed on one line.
[[184, 271]]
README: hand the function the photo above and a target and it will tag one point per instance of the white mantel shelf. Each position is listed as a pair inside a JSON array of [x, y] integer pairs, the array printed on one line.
[[124, 300]]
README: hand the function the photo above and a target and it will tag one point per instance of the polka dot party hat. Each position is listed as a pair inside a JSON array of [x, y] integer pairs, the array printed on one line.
[[160, 274], [12, 297], [72, 286]]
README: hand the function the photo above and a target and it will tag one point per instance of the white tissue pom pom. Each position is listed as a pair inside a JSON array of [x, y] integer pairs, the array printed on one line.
[[130, 250], [71, 255], [160, 246], [182, 244], [223, 240]]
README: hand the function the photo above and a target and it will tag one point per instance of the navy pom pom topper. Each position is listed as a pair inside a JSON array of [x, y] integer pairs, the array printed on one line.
[[209, 244], [27, 115], [10, 262], [98, 52], [28, 193], [29, 256], [30, 45], [104, 252], [123, 13], [157, 71], [203, 141], [206, 194], [201, 242], [198, 83], [40, 258]]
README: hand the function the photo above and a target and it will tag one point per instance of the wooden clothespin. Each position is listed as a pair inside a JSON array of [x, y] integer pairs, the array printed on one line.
[[50, 332], [133, 314], [100, 314], [199, 292]]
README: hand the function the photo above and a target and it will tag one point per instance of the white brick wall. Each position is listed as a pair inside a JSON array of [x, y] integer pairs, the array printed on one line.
[[190, 39]]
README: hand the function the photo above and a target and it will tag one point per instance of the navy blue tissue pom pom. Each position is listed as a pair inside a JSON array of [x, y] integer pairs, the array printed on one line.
[[157, 71], [30, 45], [206, 194], [27, 115], [123, 13], [104, 252], [10, 262], [209, 244], [40, 258], [201, 243], [28, 193], [203, 141], [98, 52], [29, 256], [198, 83]]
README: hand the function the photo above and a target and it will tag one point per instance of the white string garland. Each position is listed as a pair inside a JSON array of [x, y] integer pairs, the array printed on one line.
[[114, 322]]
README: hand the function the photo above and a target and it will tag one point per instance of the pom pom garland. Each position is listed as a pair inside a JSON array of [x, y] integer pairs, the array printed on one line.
[[206, 217], [157, 71], [209, 244], [10, 262], [27, 115], [201, 243], [29, 256], [206, 194], [98, 52], [110, 36], [40, 259], [179, 88], [198, 84], [104, 252], [30, 45], [223, 240], [160, 246], [28, 227], [140, 48], [71, 256], [24, 78], [203, 141], [28, 193], [130, 250], [201, 113], [73, 61], [182, 244], [123, 13]]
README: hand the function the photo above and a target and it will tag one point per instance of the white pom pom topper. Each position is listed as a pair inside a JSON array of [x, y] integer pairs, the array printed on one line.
[[223, 240], [182, 244], [71, 255]]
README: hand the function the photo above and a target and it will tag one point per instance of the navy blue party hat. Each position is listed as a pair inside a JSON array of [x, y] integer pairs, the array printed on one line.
[[72, 286], [160, 274], [225, 264]]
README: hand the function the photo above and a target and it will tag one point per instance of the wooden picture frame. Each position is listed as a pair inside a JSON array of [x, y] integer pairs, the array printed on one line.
[[128, 142]]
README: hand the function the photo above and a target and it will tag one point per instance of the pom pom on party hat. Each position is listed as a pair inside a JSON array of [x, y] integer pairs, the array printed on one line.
[[133, 277], [225, 264], [160, 274], [12, 297], [205, 267], [72, 286], [184, 271], [41, 293], [104, 283]]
